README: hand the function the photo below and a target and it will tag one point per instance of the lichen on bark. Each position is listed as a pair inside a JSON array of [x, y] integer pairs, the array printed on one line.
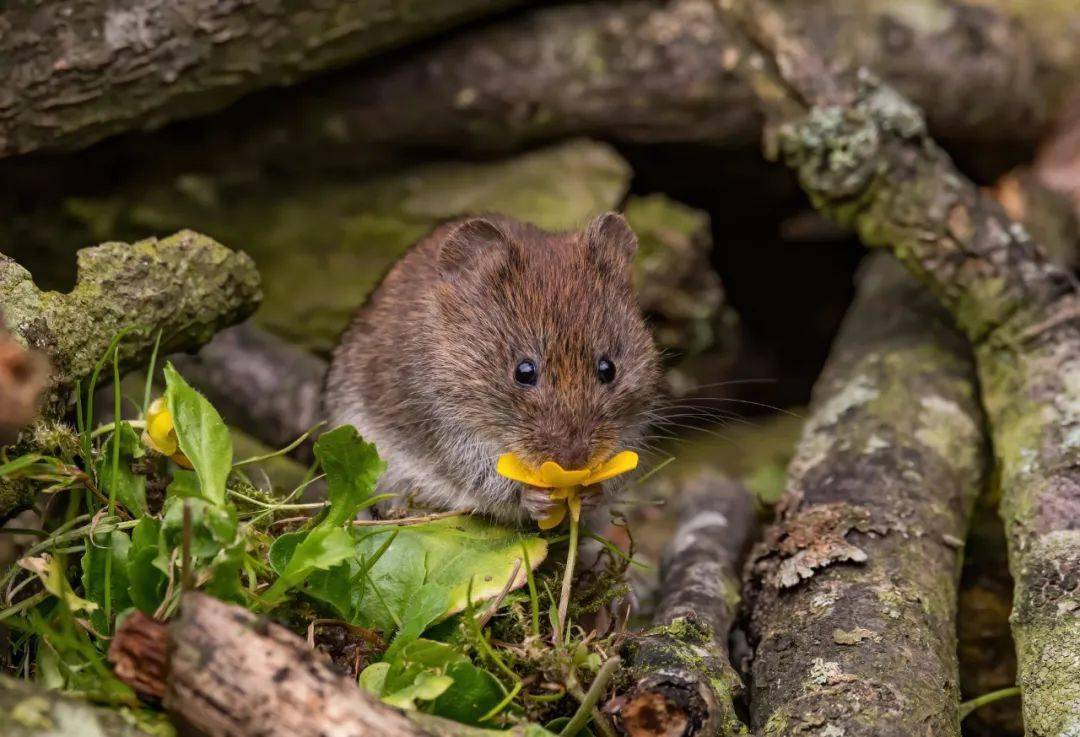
[[863, 155], [852, 591], [186, 287]]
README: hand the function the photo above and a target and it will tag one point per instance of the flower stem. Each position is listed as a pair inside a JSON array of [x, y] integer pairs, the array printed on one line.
[[592, 696], [567, 583]]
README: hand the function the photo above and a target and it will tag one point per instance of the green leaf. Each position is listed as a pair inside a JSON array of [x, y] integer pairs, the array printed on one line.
[[352, 467], [98, 550], [446, 553], [323, 548], [148, 583], [203, 436], [130, 487], [426, 605], [184, 484], [212, 528], [475, 693], [373, 678], [425, 687], [417, 673]]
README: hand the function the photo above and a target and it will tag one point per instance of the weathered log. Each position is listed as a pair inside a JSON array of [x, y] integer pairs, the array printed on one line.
[[221, 670], [27, 710], [863, 155], [75, 72], [852, 592], [656, 71], [678, 678], [186, 287]]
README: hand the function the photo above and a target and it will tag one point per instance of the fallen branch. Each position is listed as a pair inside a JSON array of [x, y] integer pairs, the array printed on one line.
[[75, 72], [860, 571], [655, 71], [29, 710], [679, 680], [863, 155], [228, 672]]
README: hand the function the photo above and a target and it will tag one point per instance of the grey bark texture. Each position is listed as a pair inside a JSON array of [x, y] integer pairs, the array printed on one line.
[[27, 710], [655, 71], [678, 678], [863, 155], [74, 72], [852, 592]]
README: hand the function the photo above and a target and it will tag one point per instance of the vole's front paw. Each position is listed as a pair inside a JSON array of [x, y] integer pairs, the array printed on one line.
[[538, 502]]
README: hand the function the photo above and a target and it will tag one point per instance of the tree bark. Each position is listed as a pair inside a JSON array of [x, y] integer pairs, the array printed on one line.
[[678, 678], [852, 593], [226, 671], [75, 72], [27, 710], [863, 155], [654, 71]]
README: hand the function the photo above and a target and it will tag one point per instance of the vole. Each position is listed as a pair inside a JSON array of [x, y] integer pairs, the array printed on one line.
[[491, 336]]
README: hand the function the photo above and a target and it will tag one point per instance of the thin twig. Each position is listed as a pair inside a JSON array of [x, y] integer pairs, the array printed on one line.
[[487, 615], [409, 520]]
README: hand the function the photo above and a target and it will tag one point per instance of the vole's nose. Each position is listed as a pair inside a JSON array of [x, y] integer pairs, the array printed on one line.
[[573, 454]]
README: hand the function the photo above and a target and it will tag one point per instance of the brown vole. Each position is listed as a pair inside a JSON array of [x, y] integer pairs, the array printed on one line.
[[492, 336]]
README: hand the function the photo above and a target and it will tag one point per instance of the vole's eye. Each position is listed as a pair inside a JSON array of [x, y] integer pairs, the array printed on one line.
[[605, 371], [525, 373]]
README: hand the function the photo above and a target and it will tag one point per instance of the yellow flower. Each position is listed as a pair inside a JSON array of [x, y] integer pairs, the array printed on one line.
[[567, 484], [160, 433]]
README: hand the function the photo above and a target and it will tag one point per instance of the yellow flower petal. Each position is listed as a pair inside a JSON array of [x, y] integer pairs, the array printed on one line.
[[512, 468], [553, 519], [574, 502], [617, 465], [557, 476], [181, 460], [161, 431], [562, 493]]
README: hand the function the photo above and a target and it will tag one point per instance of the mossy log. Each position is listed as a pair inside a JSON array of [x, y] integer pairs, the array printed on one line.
[[863, 154], [852, 592], [656, 71], [678, 679], [186, 286], [27, 710], [221, 670], [74, 72]]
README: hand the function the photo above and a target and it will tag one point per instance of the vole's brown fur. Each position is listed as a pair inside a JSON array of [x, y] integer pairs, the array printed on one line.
[[426, 368]]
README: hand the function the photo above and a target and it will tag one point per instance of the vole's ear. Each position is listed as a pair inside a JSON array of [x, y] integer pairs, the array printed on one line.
[[468, 242], [610, 240]]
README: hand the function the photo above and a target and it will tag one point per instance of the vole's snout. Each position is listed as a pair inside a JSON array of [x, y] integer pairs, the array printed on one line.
[[572, 453]]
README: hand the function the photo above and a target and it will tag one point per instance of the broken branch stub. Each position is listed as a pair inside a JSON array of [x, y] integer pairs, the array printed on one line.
[[186, 286], [852, 593], [678, 679], [863, 156]]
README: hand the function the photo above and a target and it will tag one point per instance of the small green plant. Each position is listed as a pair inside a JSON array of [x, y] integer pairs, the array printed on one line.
[[430, 604]]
